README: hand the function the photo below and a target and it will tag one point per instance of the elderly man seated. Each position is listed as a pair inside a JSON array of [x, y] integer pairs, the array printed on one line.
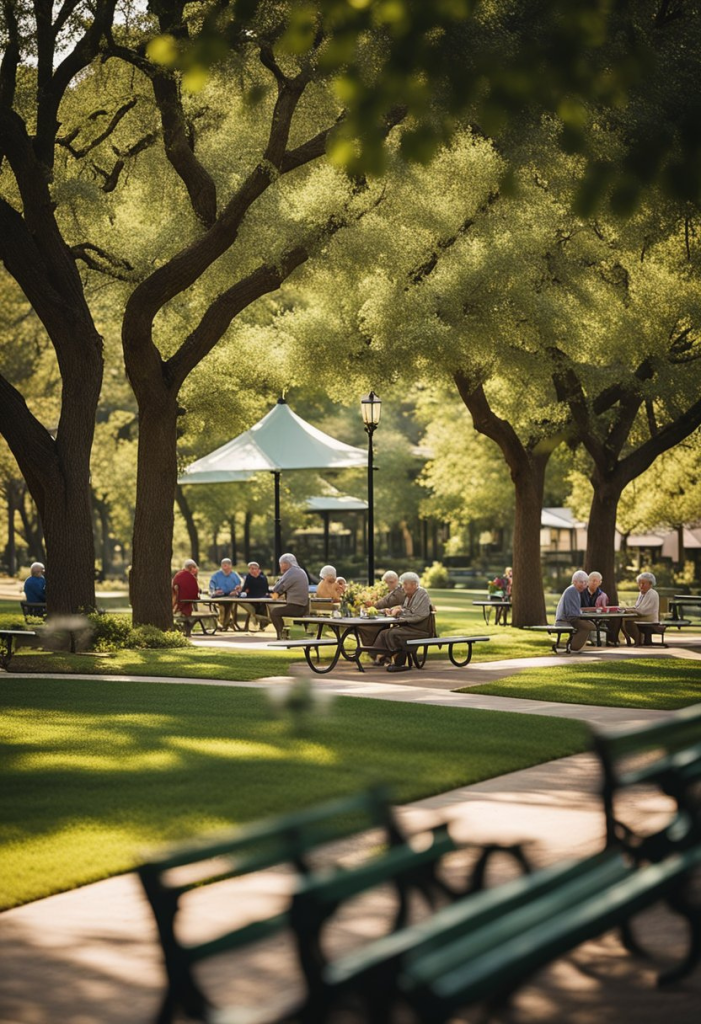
[[185, 588], [647, 608], [294, 585], [569, 611], [226, 582], [414, 618], [394, 597], [35, 585]]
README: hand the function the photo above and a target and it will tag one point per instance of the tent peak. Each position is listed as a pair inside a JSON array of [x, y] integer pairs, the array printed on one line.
[[281, 401]]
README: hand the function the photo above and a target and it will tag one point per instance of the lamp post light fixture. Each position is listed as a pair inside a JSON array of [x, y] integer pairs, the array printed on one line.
[[371, 408]]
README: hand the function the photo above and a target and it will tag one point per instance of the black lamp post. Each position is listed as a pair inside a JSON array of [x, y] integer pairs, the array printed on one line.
[[371, 408]]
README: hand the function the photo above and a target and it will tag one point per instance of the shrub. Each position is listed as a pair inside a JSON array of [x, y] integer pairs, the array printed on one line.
[[150, 637], [109, 632], [435, 575]]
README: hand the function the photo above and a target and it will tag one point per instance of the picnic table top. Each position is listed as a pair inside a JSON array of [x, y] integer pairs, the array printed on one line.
[[499, 603], [347, 620]]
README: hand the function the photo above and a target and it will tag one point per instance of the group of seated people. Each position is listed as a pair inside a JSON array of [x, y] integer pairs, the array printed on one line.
[[585, 591], [406, 600]]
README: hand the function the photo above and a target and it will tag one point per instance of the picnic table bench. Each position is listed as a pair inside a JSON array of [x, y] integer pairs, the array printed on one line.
[[418, 649], [33, 609], [650, 629], [559, 632], [8, 637], [485, 945]]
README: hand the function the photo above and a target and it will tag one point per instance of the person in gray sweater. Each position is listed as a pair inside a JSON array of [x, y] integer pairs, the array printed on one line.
[[295, 586], [569, 611], [414, 622]]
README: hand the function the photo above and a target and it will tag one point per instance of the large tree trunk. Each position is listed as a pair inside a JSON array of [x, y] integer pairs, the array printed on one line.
[[529, 485], [601, 532], [156, 480]]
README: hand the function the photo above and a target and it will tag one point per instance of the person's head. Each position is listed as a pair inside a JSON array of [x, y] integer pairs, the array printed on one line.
[[342, 582], [645, 581], [191, 566], [508, 572], [595, 580], [226, 566], [580, 579], [287, 561], [391, 579], [327, 572], [254, 569], [410, 582], [36, 569]]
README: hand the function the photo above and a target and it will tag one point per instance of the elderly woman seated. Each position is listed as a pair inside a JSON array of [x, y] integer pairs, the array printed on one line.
[[328, 586], [414, 622], [569, 608], [647, 608]]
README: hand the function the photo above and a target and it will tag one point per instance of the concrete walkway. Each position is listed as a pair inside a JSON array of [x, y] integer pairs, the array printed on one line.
[[90, 956]]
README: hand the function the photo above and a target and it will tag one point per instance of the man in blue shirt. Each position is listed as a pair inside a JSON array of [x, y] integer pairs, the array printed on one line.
[[35, 586], [225, 583]]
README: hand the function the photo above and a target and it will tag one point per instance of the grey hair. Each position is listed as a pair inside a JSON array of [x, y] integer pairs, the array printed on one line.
[[289, 558], [253, 565], [189, 563], [341, 579], [327, 570], [594, 573], [35, 568], [409, 577], [226, 561], [390, 575], [580, 576], [647, 576]]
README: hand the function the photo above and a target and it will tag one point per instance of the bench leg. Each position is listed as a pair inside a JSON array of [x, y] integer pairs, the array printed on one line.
[[464, 661], [6, 657], [317, 668]]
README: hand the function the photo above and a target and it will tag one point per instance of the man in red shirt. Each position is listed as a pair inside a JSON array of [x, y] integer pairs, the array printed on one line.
[[186, 589]]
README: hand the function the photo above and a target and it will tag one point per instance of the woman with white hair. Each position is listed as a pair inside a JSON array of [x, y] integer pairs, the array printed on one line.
[[328, 587], [570, 607], [414, 618], [647, 608]]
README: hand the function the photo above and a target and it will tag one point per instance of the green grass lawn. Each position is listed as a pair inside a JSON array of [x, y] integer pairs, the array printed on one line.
[[663, 683], [96, 773], [180, 662]]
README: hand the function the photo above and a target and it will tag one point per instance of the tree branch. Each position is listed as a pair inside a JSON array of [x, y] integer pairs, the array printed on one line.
[[10, 60], [67, 140], [115, 267]]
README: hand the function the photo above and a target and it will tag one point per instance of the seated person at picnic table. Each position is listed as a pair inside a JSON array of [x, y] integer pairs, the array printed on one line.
[[647, 608], [35, 584], [185, 588], [226, 582], [255, 584], [509, 578], [593, 596], [568, 610], [328, 586], [394, 597], [414, 621], [294, 584]]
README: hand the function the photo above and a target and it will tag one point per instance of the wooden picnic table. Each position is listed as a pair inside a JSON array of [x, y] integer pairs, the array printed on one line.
[[600, 617], [236, 602], [676, 604], [342, 627], [501, 611]]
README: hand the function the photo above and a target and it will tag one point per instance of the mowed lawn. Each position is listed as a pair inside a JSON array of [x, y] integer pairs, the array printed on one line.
[[662, 683], [97, 773]]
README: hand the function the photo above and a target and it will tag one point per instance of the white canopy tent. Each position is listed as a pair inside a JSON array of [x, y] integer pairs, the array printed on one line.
[[280, 442]]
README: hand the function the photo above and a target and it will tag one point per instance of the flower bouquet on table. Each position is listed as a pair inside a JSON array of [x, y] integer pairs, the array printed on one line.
[[496, 588]]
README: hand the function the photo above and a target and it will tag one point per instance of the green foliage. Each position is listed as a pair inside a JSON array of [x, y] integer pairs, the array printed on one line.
[[111, 633], [151, 638], [435, 575]]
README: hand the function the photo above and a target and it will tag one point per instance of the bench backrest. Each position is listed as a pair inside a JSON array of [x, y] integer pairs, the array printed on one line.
[[665, 754], [286, 839]]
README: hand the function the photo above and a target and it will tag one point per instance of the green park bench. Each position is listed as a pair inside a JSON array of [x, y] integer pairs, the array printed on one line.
[[410, 868], [8, 637], [482, 948], [33, 610], [207, 621]]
